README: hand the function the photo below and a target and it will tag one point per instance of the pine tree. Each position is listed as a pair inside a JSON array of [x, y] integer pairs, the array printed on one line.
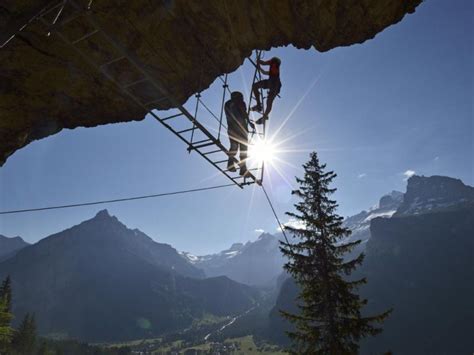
[[329, 320], [6, 316], [24, 340], [6, 292]]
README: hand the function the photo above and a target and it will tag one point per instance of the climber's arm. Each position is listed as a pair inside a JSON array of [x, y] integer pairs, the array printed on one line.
[[260, 69]]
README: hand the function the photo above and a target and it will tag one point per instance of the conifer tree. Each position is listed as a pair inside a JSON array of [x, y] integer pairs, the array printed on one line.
[[6, 292], [329, 320], [24, 340], [6, 316]]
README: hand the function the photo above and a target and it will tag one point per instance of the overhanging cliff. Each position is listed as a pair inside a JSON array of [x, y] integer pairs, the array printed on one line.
[[45, 86]]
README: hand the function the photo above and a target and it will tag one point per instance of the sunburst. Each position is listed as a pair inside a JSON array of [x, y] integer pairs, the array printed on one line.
[[262, 151]]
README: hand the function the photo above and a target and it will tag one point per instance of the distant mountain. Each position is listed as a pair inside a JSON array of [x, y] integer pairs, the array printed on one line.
[[423, 195], [10, 246], [254, 263], [420, 262], [429, 194], [218, 258], [214, 259], [100, 281], [359, 224]]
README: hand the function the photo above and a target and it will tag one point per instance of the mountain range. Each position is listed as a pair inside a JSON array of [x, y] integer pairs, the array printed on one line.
[[100, 281], [253, 263]]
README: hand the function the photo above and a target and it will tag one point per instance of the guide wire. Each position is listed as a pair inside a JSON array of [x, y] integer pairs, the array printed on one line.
[[116, 200], [282, 228]]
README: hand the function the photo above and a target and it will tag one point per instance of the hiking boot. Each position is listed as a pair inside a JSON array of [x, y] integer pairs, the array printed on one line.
[[231, 165], [257, 107], [262, 119]]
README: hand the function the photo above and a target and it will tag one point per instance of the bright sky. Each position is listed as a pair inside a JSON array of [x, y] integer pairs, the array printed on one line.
[[400, 103]]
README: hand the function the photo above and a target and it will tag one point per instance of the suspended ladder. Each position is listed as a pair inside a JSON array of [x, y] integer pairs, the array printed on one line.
[[61, 17]]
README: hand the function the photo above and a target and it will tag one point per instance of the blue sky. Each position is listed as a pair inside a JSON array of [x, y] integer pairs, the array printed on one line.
[[400, 102]]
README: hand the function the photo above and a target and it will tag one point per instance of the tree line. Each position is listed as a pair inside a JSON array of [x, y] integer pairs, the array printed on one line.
[[15, 341], [24, 340]]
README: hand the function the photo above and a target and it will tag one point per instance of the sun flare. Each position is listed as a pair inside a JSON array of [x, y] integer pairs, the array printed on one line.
[[262, 151]]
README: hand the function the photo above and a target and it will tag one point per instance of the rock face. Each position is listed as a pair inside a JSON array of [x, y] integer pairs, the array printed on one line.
[[45, 86], [429, 194], [419, 264]]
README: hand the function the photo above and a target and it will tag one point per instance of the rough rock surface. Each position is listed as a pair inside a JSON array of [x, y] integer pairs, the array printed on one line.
[[45, 86]]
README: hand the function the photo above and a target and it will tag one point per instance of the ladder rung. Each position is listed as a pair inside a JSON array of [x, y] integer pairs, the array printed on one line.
[[133, 83], [220, 161], [201, 145], [242, 177], [186, 130], [202, 141], [112, 61], [247, 176], [172, 116], [87, 35], [213, 151]]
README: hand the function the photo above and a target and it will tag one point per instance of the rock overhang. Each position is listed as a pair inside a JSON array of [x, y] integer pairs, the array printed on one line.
[[45, 86]]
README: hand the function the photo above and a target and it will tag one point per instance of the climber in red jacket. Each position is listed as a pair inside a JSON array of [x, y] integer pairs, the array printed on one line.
[[272, 84]]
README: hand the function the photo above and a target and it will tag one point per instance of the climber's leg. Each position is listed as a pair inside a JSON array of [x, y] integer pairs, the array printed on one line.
[[272, 94], [243, 157], [234, 146], [262, 84], [270, 99]]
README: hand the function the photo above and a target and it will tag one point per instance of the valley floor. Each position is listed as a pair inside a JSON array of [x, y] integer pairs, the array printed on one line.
[[246, 345]]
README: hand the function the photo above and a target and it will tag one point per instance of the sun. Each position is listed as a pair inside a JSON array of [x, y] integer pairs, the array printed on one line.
[[262, 151]]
